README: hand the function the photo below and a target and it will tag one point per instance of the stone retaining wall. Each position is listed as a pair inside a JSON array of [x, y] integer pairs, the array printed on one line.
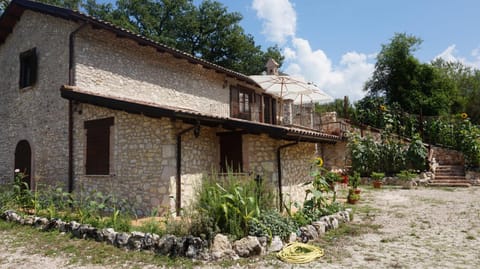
[[185, 246]]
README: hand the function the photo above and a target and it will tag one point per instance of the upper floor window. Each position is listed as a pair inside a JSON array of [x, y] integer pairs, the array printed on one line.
[[98, 146], [240, 103], [248, 105], [28, 68]]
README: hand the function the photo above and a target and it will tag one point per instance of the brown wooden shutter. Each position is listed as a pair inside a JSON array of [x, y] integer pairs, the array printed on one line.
[[98, 146], [274, 111], [234, 102]]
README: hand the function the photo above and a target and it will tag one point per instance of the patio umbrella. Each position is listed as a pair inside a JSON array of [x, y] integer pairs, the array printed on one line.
[[315, 95], [293, 88], [280, 85], [283, 86]]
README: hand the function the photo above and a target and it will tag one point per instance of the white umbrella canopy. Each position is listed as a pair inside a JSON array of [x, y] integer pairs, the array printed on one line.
[[282, 85], [314, 96]]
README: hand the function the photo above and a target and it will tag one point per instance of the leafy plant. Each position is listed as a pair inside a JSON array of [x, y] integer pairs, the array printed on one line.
[[405, 175], [355, 180], [271, 223], [230, 205], [416, 154], [377, 176], [352, 196]]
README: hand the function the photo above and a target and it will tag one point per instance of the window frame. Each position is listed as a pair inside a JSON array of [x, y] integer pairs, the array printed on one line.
[[97, 156], [241, 101], [28, 68]]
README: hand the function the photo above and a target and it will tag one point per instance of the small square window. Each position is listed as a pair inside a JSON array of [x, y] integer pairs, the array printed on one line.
[[28, 68]]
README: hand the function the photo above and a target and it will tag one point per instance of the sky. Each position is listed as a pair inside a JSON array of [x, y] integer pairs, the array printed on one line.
[[333, 43]]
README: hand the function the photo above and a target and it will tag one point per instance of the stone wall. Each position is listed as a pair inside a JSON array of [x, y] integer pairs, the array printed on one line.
[[120, 67], [37, 114], [260, 156], [444, 156], [261, 159], [142, 159], [200, 156], [296, 170], [335, 156]]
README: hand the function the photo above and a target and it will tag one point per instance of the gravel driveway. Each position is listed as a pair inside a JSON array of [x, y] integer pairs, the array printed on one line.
[[419, 228]]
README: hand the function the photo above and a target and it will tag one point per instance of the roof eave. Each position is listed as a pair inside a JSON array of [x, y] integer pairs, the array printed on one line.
[[276, 132]]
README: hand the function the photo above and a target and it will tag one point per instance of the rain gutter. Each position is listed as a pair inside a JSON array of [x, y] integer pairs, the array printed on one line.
[[71, 82]]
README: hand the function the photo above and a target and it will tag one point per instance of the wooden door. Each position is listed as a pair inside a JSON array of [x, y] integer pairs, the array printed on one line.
[[23, 160], [231, 153]]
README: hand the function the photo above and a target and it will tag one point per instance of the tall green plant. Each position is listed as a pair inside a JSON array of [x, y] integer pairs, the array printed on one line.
[[230, 205], [416, 155]]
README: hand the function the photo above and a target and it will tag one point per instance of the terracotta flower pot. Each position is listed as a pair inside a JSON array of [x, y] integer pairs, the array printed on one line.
[[357, 191], [352, 201], [377, 184]]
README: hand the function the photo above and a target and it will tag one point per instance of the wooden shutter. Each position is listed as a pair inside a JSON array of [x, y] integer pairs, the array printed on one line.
[[98, 146], [234, 102]]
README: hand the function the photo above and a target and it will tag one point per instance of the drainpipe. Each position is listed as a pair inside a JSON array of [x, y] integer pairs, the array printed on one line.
[[196, 131], [71, 82], [279, 167]]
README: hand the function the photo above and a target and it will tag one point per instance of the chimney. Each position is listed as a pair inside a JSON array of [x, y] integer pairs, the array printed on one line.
[[272, 67]]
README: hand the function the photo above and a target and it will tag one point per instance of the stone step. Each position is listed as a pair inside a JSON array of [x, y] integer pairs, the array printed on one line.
[[450, 168], [450, 181], [451, 177], [457, 184]]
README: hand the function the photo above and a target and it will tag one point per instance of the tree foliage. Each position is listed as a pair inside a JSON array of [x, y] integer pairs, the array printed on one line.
[[207, 30], [466, 81], [417, 87]]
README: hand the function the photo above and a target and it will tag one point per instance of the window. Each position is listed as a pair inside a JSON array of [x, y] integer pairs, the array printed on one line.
[[98, 146], [269, 109], [231, 152], [248, 105], [240, 103], [28, 68]]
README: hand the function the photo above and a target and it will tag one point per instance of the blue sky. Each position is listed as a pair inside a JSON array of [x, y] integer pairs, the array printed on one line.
[[334, 43]]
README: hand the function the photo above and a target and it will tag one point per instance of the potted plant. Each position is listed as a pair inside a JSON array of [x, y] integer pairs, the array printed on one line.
[[354, 182], [332, 178], [406, 177], [377, 179], [352, 197]]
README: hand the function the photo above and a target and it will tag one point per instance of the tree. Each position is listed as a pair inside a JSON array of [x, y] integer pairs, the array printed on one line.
[[466, 81], [207, 31], [399, 77]]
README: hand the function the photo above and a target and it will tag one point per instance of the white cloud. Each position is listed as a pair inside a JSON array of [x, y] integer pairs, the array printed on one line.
[[450, 54], [279, 17], [346, 78], [338, 80]]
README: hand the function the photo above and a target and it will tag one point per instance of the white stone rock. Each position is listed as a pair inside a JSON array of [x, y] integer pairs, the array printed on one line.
[[275, 245]]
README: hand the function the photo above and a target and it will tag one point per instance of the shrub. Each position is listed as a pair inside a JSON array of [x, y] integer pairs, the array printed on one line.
[[271, 223], [230, 205], [416, 154]]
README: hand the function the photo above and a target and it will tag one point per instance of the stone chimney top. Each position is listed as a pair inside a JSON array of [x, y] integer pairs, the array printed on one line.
[[272, 67]]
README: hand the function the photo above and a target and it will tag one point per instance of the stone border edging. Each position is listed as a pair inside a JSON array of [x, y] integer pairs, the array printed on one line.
[[186, 246]]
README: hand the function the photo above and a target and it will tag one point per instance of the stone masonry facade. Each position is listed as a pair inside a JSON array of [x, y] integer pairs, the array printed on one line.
[[142, 149], [36, 114]]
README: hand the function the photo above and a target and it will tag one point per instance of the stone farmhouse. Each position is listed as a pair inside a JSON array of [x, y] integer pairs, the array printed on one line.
[[87, 105]]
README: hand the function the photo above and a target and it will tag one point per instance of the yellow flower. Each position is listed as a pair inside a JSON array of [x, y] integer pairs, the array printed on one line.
[[319, 161], [383, 108], [464, 115]]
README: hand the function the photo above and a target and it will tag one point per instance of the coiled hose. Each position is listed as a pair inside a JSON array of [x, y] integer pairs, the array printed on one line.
[[299, 253]]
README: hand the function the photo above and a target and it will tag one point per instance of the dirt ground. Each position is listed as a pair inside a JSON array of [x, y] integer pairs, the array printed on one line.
[[419, 228]]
